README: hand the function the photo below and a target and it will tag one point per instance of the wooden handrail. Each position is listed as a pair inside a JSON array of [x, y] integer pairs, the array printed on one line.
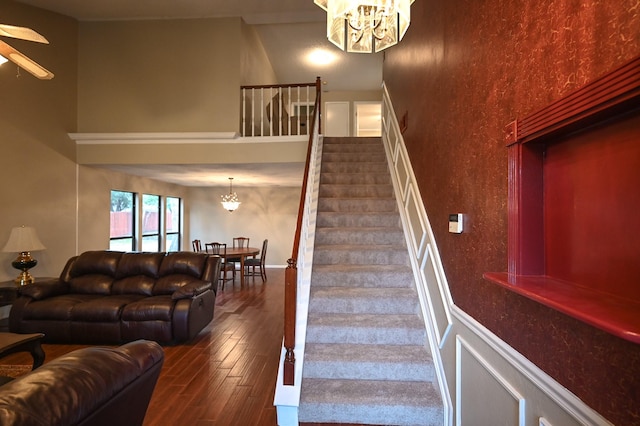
[[291, 272], [280, 86]]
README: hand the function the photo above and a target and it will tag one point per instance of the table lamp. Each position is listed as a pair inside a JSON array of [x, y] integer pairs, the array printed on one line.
[[23, 239]]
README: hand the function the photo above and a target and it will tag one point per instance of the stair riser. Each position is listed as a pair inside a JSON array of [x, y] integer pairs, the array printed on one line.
[[362, 335], [352, 148], [324, 256], [353, 157], [328, 236], [373, 414], [417, 372], [356, 205], [356, 191], [353, 220], [341, 167], [362, 279], [355, 178], [392, 305]]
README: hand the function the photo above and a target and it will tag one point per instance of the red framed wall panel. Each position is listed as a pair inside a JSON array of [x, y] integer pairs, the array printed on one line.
[[574, 185]]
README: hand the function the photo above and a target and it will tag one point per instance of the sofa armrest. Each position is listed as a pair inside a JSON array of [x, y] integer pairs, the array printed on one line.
[[212, 270], [44, 289], [191, 290], [90, 386]]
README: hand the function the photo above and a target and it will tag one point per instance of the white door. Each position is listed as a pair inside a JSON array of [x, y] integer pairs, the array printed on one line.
[[336, 119], [368, 119]]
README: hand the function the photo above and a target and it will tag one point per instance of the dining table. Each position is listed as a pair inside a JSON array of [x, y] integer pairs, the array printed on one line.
[[242, 253]]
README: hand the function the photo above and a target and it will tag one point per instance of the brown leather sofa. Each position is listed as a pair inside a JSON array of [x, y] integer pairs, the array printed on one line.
[[92, 386], [114, 297]]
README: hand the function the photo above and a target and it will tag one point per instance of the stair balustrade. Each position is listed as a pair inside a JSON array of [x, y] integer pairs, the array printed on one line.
[[291, 272], [278, 110]]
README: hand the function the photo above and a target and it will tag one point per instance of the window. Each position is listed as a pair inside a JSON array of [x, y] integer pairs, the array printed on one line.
[[173, 222], [150, 222], [121, 228]]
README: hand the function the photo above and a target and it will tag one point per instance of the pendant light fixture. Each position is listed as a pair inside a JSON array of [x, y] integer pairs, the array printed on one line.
[[230, 201], [366, 26]]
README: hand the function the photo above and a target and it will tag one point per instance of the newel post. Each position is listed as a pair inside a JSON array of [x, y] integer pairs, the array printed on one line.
[[290, 297]]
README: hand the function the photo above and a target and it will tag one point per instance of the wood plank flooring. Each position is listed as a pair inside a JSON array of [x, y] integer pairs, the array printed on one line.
[[227, 374]]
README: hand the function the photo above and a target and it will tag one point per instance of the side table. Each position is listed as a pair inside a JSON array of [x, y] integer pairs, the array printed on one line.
[[11, 343], [8, 292]]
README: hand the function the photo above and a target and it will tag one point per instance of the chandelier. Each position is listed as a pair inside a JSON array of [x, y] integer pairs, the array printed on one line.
[[366, 26], [230, 201]]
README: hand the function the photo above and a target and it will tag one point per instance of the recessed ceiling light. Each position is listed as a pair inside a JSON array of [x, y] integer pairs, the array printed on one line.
[[321, 57]]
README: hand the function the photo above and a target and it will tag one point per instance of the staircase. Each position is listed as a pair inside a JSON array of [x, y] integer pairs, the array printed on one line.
[[366, 358]]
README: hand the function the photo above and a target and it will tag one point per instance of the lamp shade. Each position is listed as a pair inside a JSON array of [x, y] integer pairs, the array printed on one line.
[[23, 239]]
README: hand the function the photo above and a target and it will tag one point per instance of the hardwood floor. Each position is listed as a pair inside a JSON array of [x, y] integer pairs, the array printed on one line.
[[227, 374]]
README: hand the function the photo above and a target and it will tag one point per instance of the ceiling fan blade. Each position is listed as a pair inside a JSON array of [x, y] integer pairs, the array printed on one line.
[[22, 33], [24, 62]]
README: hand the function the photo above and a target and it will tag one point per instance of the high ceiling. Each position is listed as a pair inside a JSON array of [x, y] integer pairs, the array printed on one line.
[[289, 30]]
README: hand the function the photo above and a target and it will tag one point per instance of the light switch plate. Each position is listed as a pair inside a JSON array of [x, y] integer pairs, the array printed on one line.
[[456, 222]]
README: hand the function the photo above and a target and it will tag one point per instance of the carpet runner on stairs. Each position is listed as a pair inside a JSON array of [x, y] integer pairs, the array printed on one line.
[[367, 359]]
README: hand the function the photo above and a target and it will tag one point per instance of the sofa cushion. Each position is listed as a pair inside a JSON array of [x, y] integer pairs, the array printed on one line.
[[56, 308], [172, 283], [91, 284], [184, 263], [149, 309], [137, 284], [132, 264], [96, 262], [103, 309]]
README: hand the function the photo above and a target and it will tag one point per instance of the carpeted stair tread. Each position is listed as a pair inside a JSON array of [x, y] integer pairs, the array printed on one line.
[[357, 254], [396, 276], [355, 178], [371, 402], [359, 236], [395, 329], [353, 157], [351, 219], [368, 362], [357, 205], [363, 300], [350, 167]]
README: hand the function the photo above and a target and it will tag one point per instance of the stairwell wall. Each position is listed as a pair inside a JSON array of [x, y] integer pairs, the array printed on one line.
[[458, 79]]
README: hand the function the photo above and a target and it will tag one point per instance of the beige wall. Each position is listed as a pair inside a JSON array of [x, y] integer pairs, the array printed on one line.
[[94, 198], [129, 77], [269, 213], [255, 67], [37, 169], [160, 76]]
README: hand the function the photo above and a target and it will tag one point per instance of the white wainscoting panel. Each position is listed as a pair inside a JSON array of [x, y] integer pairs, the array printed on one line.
[[483, 396]]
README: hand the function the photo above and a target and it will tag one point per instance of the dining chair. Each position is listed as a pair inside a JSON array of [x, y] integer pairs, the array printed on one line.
[[238, 242], [197, 246], [221, 250], [257, 262]]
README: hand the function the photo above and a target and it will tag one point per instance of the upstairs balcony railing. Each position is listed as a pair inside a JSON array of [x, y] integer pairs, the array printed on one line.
[[278, 110]]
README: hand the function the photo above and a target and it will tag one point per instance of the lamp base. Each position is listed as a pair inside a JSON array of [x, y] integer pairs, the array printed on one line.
[[24, 278], [24, 262]]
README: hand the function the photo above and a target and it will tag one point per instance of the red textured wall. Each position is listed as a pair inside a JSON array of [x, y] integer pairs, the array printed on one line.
[[592, 200], [463, 71]]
